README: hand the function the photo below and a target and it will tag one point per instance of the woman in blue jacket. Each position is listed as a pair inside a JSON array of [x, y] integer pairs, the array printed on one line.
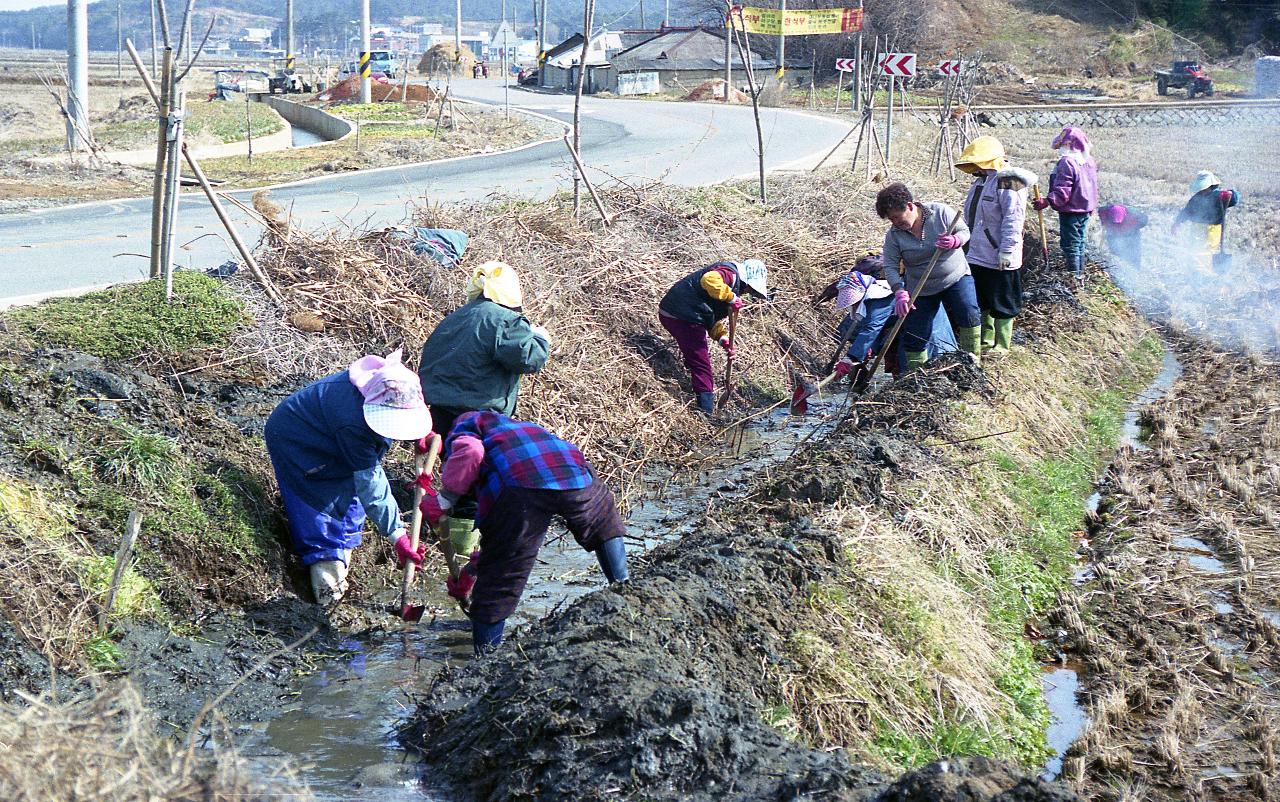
[[326, 443]]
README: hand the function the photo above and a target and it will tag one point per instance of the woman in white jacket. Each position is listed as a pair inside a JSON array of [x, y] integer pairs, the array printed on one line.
[[995, 210]]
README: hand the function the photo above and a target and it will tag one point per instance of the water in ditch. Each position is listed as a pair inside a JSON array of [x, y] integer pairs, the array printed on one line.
[[340, 729], [1060, 682]]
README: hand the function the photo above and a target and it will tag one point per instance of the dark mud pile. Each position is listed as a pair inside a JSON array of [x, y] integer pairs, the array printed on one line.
[[659, 689], [1179, 630]]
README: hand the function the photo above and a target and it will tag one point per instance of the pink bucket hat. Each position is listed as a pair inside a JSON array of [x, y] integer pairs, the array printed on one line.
[[1114, 214], [393, 403]]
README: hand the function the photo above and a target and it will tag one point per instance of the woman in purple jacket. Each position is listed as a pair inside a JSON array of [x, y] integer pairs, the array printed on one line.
[[1073, 193], [995, 210]]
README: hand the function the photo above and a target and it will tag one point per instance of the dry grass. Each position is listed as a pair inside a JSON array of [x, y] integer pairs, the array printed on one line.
[[103, 747]]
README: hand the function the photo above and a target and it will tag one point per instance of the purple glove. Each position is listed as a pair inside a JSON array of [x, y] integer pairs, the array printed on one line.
[[947, 242], [1224, 195], [737, 303], [843, 367], [902, 302], [405, 551], [1040, 204]]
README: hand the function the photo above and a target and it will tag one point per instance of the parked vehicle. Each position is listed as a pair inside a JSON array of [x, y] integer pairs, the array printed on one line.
[[381, 62], [286, 82], [1186, 74], [527, 77], [228, 82]]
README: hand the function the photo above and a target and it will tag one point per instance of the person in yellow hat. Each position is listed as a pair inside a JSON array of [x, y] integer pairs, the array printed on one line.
[[473, 362], [995, 209]]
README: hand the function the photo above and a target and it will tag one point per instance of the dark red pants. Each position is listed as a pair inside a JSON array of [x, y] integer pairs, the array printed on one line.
[[512, 533]]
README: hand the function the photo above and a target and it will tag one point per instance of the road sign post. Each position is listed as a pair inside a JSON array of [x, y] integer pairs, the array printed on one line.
[[843, 65], [894, 66]]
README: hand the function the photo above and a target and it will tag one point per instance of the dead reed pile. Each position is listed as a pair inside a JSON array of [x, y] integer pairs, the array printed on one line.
[[104, 746], [615, 383]]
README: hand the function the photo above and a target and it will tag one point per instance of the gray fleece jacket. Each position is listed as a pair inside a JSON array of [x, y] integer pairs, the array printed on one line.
[[995, 209], [914, 254]]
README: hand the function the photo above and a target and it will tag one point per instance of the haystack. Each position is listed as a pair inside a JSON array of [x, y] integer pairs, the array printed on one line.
[[444, 57]]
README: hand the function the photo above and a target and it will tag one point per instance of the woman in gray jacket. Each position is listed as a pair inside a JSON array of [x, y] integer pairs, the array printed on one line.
[[918, 230], [995, 209]]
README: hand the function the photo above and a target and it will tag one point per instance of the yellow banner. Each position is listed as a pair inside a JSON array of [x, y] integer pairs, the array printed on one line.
[[796, 22]]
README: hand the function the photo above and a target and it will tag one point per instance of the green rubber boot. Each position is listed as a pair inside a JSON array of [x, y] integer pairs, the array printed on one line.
[[916, 358], [988, 332], [970, 341], [1004, 335], [463, 536]]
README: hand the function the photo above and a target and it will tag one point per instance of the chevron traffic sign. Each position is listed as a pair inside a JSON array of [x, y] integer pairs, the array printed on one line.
[[846, 64], [949, 68], [898, 64]]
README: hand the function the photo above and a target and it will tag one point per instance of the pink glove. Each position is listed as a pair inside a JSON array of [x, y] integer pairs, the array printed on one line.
[[902, 302], [1040, 204], [423, 444], [947, 242], [1174, 227], [843, 367], [405, 551], [460, 588], [737, 303], [430, 506], [729, 350], [1224, 195]]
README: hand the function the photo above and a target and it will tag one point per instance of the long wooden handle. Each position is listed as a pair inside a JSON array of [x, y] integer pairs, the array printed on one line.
[[937, 254], [728, 367], [1044, 238], [423, 465]]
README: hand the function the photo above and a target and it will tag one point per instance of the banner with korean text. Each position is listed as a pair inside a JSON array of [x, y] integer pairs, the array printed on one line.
[[796, 22]]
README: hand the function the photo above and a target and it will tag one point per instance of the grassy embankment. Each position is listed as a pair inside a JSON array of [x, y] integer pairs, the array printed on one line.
[[918, 647], [74, 466]]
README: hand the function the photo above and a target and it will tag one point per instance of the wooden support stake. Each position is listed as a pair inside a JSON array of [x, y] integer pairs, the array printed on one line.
[[124, 552], [582, 173]]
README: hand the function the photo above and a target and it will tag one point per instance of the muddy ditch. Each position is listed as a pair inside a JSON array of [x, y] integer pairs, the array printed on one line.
[[1177, 626]]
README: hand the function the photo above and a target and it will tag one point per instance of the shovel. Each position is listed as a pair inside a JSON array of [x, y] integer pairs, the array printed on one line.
[[728, 368], [802, 391], [424, 464], [800, 396], [1044, 238]]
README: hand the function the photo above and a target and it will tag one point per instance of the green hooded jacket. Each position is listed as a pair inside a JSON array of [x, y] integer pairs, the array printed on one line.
[[475, 357]]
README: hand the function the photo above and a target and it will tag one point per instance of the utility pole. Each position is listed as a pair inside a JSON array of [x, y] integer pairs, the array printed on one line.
[[457, 28], [642, 15], [542, 34], [666, 14], [366, 82], [119, 45], [506, 72], [728, 56], [155, 57], [857, 69], [782, 42], [288, 36], [77, 72]]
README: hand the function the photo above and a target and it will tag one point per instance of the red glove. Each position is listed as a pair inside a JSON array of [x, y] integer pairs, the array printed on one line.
[[423, 445], [430, 506], [460, 588], [1224, 195], [729, 350], [843, 367], [405, 551], [947, 242], [902, 302], [737, 303], [1040, 204]]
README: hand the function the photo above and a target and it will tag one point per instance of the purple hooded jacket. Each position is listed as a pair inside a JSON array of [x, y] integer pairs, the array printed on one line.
[[1073, 184]]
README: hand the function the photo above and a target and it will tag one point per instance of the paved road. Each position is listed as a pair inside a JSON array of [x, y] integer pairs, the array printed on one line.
[[77, 247]]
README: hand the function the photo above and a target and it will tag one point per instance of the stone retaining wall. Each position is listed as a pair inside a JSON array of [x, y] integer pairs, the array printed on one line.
[[1130, 115]]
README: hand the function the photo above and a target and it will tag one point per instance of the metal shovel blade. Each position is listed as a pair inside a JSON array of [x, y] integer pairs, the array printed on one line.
[[800, 397], [412, 612]]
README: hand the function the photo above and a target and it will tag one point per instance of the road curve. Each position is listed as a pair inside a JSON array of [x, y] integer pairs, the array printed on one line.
[[69, 249]]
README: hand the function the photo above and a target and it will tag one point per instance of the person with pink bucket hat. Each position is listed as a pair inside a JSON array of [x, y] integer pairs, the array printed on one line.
[[1073, 193], [326, 443]]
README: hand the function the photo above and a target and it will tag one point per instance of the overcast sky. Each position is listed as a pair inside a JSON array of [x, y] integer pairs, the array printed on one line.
[[19, 5]]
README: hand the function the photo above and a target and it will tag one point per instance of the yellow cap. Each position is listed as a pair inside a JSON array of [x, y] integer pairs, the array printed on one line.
[[498, 282], [983, 153]]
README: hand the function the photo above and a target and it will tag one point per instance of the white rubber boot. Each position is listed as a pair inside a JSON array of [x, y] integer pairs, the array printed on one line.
[[329, 582]]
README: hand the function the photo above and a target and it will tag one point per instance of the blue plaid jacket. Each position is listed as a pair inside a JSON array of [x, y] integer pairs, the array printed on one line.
[[519, 454]]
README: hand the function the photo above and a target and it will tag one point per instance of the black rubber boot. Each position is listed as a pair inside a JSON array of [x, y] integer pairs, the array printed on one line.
[[612, 556], [707, 403]]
